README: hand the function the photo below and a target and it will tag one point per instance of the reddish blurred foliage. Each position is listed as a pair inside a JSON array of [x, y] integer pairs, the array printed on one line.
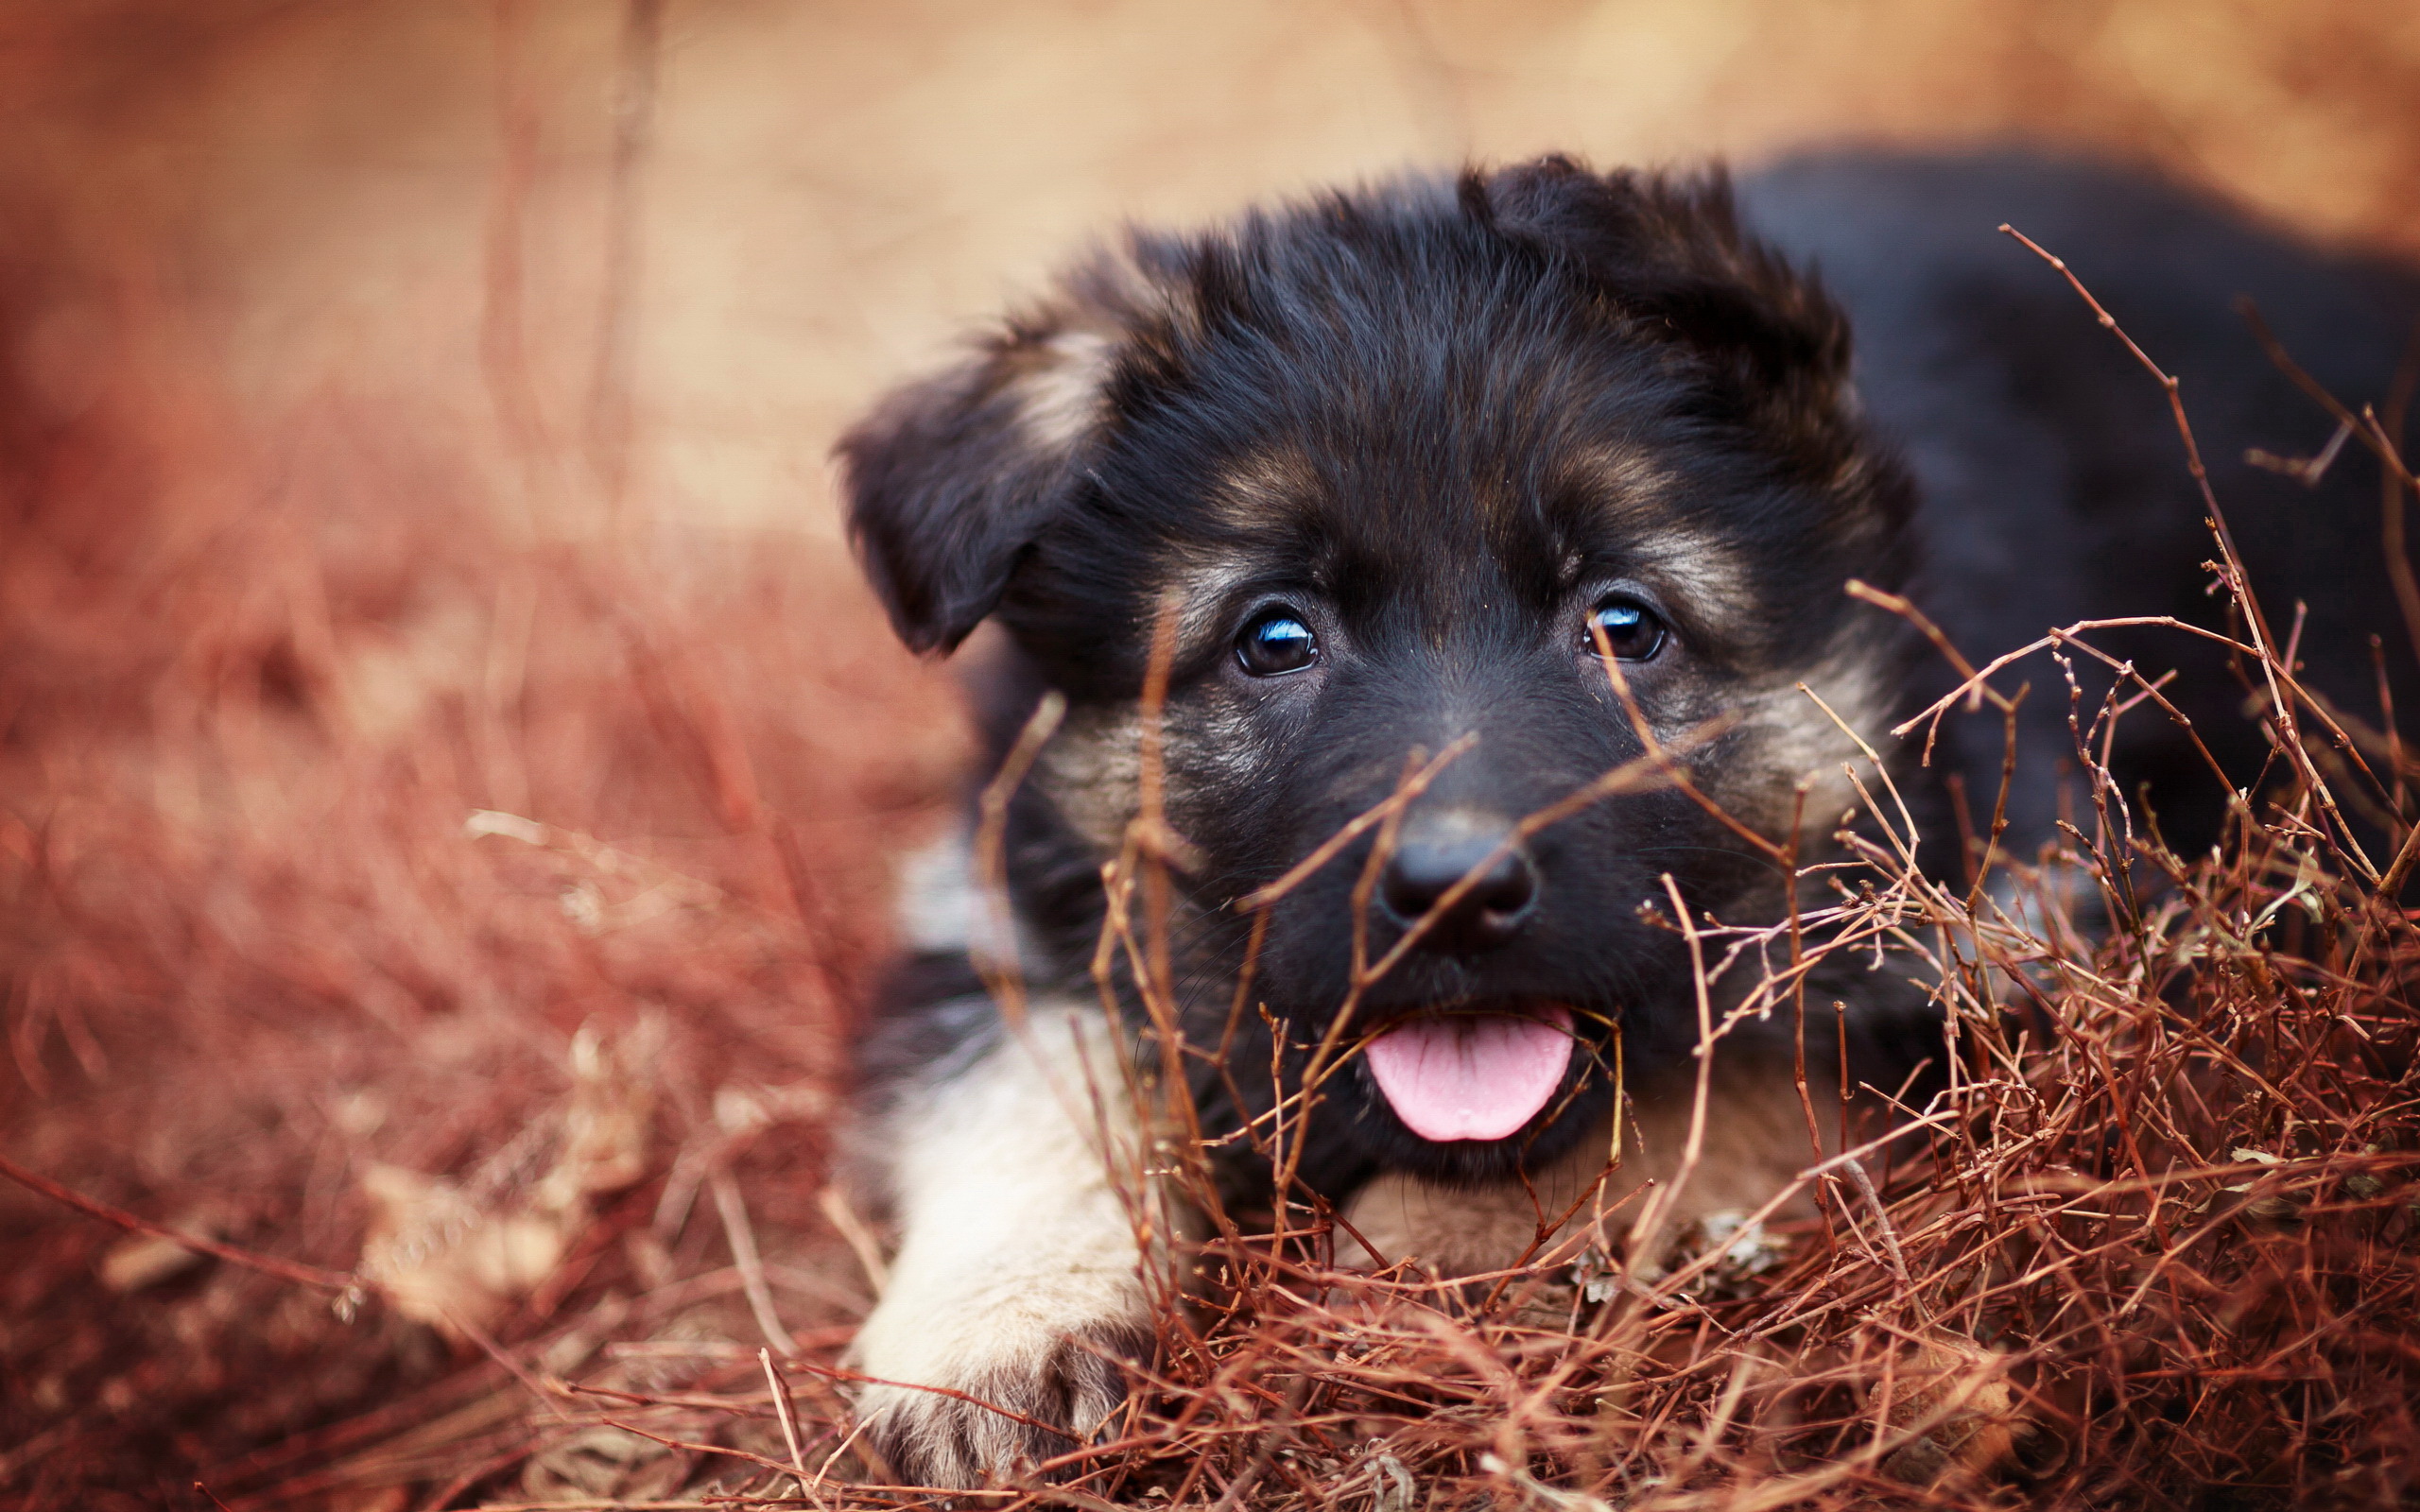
[[254, 687]]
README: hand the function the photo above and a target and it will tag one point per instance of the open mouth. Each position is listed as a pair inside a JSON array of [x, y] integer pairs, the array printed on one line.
[[1473, 1075]]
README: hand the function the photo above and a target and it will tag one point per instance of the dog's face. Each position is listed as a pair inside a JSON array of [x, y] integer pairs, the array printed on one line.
[[1551, 465]]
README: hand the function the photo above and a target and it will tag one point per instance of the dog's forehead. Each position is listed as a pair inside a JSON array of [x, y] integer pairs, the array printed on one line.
[[1530, 518], [1399, 433], [1391, 482]]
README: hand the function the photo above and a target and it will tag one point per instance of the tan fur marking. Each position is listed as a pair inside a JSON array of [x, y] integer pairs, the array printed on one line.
[[1071, 345], [1791, 739], [1202, 585], [1628, 479], [1811, 743], [1063, 397], [1263, 484], [1093, 770], [1132, 298], [1700, 574], [1755, 1142], [1632, 488]]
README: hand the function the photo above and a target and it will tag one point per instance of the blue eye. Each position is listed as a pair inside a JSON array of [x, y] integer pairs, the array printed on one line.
[[1631, 631], [1274, 643]]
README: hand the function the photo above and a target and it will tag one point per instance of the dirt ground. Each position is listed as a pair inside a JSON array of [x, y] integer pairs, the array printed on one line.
[[413, 410]]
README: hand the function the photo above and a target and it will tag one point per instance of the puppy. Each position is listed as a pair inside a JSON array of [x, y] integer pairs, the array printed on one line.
[[1514, 480]]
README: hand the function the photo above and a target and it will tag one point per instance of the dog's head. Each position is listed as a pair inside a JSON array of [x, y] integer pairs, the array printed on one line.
[[1527, 460]]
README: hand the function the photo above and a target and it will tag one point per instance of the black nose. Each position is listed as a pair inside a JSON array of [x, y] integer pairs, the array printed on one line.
[[1431, 859]]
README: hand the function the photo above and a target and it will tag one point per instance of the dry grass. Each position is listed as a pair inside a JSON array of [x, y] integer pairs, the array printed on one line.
[[331, 805], [308, 942]]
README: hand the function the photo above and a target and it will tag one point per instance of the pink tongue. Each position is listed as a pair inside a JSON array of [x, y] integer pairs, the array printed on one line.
[[1471, 1078]]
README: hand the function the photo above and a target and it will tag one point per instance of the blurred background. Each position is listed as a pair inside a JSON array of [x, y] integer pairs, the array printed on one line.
[[785, 205], [449, 772]]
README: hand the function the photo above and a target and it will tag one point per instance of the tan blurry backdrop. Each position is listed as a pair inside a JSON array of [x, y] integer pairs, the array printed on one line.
[[679, 244]]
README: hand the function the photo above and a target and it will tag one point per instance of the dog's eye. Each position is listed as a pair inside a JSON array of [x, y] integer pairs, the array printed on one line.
[[1274, 643], [1630, 629]]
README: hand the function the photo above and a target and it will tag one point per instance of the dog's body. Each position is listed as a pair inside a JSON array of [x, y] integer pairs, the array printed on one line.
[[1573, 465]]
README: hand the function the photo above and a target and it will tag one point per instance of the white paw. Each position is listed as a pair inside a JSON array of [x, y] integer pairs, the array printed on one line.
[[1019, 1281], [1038, 1357]]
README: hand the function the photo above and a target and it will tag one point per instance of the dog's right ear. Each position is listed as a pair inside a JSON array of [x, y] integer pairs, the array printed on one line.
[[951, 479]]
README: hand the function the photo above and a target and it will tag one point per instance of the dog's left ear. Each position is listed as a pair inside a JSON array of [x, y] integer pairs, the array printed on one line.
[[951, 479], [1669, 253]]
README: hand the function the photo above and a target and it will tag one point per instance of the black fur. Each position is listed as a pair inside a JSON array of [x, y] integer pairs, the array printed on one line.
[[2054, 484], [1441, 417]]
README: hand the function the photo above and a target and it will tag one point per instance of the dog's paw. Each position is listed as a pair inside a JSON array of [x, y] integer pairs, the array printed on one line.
[[1020, 1384]]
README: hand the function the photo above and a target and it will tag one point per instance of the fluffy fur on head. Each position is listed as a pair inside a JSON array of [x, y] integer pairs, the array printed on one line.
[[1439, 422]]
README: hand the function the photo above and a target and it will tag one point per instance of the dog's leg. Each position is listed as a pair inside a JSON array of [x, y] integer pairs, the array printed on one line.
[[1019, 1266]]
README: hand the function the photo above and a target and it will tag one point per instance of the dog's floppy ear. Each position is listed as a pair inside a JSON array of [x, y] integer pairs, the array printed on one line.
[[1669, 253], [950, 479]]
